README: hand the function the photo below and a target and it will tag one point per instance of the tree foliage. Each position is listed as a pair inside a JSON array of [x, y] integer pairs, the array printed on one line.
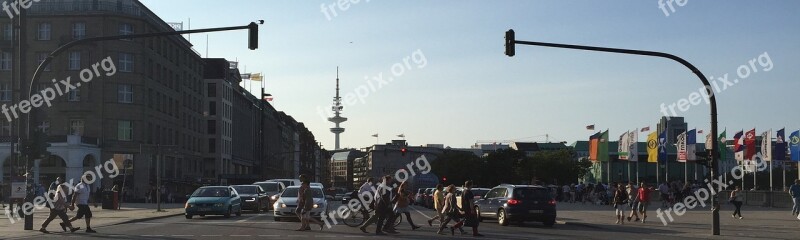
[[510, 166]]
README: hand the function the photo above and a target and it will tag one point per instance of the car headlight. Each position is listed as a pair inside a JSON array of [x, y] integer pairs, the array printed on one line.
[[316, 205], [274, 197], [283, 205], [219, 205], [188, 205]]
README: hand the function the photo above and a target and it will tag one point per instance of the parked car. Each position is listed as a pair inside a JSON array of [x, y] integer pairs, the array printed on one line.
[[253, 197], [272, 189], [518, 203], [216, 200], [477, 192], [419, 198], [429, 197], [287, 203]]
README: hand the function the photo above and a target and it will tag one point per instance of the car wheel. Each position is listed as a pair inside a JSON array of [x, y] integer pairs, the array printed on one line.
[[258, 207], [502, 219], [239, 213], [202, 215], [228, 214], [188, 216], [277, 219], [478, 214], [550, 222]]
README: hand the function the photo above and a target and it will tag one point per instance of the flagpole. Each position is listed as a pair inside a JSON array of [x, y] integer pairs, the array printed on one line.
[[686, 171]]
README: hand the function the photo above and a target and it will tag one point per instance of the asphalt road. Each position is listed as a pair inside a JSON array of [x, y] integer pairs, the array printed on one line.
[[262, 226]]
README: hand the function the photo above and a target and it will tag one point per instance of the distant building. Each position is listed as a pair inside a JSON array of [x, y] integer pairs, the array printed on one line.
[[341, 165], [388, 159], [530, 148]]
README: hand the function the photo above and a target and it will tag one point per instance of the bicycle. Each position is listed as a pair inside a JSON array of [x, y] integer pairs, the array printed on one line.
[[355, 219]]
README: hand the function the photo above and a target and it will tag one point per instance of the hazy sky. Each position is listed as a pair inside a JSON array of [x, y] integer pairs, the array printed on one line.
[[453, 85]]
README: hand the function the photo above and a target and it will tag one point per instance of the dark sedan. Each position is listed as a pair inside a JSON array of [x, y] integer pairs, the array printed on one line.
[[253, 197], [518, 203]]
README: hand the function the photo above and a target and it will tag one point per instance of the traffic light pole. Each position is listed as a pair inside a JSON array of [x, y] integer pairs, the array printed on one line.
[[510, 51]]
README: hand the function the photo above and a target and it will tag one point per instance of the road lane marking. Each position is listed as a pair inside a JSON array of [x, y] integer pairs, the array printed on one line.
[[241, 235], [244, 220], [183, 235], [211, 235], [420, 212], [269, 235]]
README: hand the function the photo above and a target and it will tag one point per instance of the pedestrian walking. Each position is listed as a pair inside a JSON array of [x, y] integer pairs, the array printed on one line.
[[450, 210], [365, 190], [620, 201], [565, 196], [307, 204], [300, 201], [644, 200], [59, 210], [383, 208], [737, 202], [794, 192], [438, 204], [633, 200], [664, 190], [401, 206], [468, 207], [81, 197]]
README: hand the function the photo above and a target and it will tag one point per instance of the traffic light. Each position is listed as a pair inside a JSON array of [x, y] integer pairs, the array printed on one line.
[[252, 42], [510, 42], [403, 151], [444, 179]]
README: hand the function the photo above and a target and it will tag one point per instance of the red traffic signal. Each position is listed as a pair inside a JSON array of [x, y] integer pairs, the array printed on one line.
[[444, 179], [403, 151]]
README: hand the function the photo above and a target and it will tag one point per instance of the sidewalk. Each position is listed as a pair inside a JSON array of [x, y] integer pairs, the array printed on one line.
[[130, 212], [758, 222]]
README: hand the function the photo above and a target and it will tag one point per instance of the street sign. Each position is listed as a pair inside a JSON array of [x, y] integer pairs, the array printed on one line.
[[18, 190]]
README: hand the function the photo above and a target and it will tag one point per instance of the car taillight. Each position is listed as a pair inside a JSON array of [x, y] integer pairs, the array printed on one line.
[[552, 202], [513, 201]]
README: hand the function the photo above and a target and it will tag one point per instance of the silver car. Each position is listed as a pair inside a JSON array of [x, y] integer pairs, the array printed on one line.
[[287, 203]]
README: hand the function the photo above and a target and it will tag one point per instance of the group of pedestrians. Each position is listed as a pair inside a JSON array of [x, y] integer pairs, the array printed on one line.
[[448, 210], [59, 207], [389, 204]]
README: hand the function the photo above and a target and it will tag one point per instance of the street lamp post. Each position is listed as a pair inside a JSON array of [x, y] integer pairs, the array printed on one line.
[[510, 51]]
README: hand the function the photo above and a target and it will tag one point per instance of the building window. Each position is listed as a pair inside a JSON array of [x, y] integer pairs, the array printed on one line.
[[44, 127], [79, 30], [8, 32], [125, 29], [212, 145], [124, 93], [74, 95], [5, 92], [212, 108], [212, 89], [212, 127], [124, 131], [126, 62], [5, 128], [74, 60], [5, 61], [44, 31], [76, 127], [40, 58]]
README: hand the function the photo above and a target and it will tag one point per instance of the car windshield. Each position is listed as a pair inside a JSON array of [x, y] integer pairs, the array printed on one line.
[[246, 189], [531, 193], [292, 192], [211, 192], [269, 187]]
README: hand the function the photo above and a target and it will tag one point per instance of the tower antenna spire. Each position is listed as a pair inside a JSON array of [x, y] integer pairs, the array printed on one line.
[[337, 113]]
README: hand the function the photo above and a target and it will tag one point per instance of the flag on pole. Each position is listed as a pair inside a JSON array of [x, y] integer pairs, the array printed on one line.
[[779, 152], [662, 147], [245, 76], [593, 144], [723, 146], [766, 146], [256, 77], [623, 146], [646, 129], [750, 143], [375, 135], [602, 152], [590, 127], [738, 146], [709, 141], [633, 152], [700, 131], [681, 144], [794, 146], [652, 147], [402, 135], [691, 145]]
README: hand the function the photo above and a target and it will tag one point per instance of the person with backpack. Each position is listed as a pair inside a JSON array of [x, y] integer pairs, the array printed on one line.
[[619, 201]]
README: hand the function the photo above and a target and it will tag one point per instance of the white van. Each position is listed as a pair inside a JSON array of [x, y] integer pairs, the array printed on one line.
[[286, 182]]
